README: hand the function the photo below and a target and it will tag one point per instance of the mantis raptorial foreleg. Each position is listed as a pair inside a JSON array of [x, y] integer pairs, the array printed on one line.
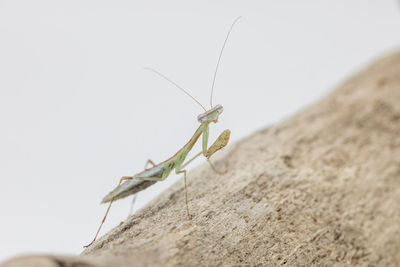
[[218, 144]]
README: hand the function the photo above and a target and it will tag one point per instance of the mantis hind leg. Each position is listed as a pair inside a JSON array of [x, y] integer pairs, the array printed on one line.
[[186, 194], [108, 209], [125, 178]]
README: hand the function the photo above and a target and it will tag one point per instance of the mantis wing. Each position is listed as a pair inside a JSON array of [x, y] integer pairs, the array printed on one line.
[[127, 188]]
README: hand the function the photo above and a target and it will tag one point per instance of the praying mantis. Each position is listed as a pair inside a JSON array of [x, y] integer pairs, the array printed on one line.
[[130, 185]]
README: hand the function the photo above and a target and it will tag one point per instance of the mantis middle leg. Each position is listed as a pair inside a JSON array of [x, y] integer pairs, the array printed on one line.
[[149, 161]]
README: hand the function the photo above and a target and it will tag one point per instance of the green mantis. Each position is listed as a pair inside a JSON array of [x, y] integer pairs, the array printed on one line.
[[130, 185]]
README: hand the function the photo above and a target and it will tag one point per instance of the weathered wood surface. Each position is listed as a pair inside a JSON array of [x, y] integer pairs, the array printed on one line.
[[322, 188]]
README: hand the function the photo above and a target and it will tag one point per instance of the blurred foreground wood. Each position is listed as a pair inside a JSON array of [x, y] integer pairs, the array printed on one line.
[[322, 188]]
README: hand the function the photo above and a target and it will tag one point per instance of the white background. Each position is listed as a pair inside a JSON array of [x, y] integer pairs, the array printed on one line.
[[77, 110]]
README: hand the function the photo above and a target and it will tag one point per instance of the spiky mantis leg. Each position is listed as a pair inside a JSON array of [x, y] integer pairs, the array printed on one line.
[[218, 144]]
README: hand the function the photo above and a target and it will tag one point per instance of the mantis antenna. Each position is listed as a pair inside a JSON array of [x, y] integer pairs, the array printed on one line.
[[219, 59], [183, 90]]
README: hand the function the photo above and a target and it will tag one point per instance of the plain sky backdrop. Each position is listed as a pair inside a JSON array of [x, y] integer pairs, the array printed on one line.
[[77, 110]]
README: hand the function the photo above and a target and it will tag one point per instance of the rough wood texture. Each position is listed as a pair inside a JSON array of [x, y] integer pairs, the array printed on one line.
[[322, 188]]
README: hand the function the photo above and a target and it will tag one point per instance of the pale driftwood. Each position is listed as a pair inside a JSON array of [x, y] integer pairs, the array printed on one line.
[[321, 188]]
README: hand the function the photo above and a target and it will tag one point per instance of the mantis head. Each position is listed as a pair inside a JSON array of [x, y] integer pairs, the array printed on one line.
[[210, 115]]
